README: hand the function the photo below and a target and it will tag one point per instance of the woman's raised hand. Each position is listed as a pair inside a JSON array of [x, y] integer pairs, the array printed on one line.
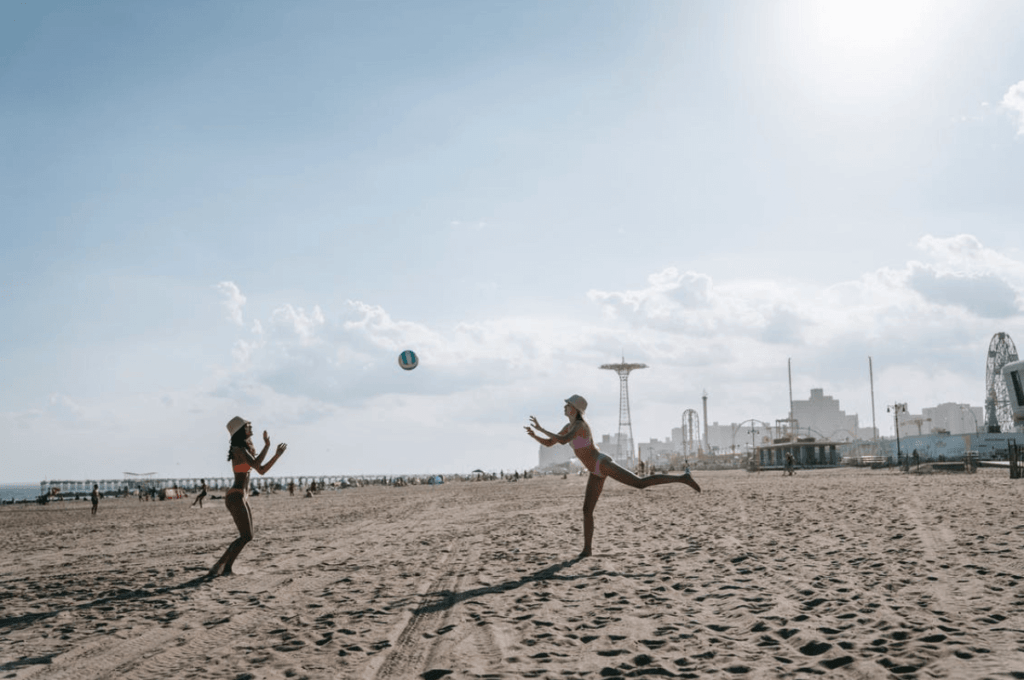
[[266, 438], [533, 421], [280, 448]]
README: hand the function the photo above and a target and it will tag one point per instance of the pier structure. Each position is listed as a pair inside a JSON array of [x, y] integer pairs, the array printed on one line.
[[135, 483]]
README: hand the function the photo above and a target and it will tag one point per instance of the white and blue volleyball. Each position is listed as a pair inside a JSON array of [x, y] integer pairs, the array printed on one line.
[[408, 360]]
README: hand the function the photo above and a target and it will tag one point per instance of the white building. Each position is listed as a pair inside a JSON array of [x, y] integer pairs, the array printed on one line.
[[733, 437], [821, 414], [550, 456], [948, 417], [955, 418], [658, 452]]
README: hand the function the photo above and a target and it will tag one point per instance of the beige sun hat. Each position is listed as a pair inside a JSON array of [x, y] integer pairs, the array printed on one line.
[[577, 402], [236, 424]]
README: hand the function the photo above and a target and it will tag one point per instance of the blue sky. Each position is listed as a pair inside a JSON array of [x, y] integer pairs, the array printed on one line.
[[214, 209]]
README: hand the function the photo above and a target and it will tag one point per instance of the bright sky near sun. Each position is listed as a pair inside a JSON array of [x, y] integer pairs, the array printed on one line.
[[219, 209]]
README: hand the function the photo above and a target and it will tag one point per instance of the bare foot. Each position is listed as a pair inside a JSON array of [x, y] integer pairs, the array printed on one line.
[[690, 482], [585, 553]]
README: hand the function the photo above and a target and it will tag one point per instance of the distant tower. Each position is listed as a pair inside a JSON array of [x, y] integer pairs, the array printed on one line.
[[625, 439], [707, 442]]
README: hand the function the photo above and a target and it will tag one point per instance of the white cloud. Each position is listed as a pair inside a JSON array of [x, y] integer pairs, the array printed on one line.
[[1013, 101], [965, 255], [668, 292], [233, 300], [376, 327], [244, 349], [303, 325], [960, 281], [987, 296]]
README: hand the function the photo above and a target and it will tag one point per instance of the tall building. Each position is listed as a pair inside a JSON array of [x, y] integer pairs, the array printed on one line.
[[550, 456], [822, 415]]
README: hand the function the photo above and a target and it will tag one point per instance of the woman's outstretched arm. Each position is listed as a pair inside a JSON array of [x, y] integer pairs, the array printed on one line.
[[266, 447], [543, 440], [564, 436], [257, 463]]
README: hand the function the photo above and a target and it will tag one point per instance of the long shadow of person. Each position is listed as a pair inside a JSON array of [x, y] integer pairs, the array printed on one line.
[[26, 620], [439, 600]]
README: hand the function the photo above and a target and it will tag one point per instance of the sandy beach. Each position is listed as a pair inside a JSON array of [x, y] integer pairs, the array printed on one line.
[[841, 573]]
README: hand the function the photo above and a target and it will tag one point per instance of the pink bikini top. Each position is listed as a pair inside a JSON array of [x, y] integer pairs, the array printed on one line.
[[581, 442]]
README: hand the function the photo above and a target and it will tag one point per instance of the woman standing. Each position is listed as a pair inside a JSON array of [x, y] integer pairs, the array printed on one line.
[[242, 455], [577, 435]]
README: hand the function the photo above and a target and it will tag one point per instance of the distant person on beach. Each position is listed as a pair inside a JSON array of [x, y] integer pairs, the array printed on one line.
[[95, 498], [789, 464], [242, 455], [577, 434], [201, 496]]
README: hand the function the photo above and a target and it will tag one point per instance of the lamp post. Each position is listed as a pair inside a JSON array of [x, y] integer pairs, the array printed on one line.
[[896, 409]]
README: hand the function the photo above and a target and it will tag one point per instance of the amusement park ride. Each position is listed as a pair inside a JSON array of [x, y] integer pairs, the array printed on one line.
[[1003, 402], [1013, 381]]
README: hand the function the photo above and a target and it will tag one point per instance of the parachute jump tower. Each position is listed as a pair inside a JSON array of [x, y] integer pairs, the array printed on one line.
[[625, 437]]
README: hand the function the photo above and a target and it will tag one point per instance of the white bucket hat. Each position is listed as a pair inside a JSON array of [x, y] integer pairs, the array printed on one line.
[[577, 402], [236, 424]]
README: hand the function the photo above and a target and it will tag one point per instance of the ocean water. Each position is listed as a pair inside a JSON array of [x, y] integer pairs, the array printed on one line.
[[18, 492]]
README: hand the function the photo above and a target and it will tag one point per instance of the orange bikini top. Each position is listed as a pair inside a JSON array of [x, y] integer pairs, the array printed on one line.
[[241, 467]]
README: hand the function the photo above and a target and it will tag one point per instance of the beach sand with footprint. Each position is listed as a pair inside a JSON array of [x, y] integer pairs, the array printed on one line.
[[837, 573]]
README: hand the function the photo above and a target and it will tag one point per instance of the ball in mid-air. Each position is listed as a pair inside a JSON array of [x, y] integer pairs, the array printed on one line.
[[408, 360]]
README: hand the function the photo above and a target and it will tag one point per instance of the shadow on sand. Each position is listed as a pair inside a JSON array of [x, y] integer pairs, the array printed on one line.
[[25, 620], [439, 600]]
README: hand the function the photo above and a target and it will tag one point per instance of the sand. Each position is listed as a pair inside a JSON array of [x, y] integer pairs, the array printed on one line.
[[843, 573]]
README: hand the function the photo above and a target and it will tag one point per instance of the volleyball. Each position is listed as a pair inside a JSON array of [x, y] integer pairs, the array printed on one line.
[[408, 360]]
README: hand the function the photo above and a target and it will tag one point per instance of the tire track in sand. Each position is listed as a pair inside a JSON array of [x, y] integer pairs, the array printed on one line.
[[421, 638]]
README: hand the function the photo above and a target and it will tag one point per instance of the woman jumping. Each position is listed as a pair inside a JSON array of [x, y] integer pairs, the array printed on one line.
[[242, 455], [577, 435]]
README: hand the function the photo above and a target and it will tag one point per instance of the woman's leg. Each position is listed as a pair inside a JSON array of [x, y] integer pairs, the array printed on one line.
[[621, 474], [239, 509], [594, 486]]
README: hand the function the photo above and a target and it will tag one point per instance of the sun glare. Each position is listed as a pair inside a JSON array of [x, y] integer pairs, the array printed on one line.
[[868, 29], [849, 51]]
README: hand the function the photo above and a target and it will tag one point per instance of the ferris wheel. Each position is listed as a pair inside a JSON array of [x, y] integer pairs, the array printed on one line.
[[998, 412]]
